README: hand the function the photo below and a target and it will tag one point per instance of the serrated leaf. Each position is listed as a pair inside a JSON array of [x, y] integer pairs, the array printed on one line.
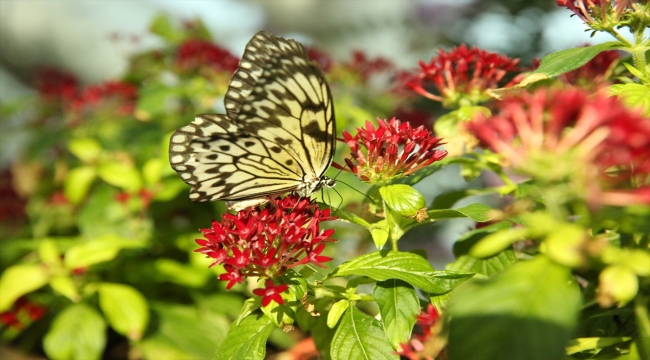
[[19, 280], [246, 340], [86, 149], [529, 311], [120, 174], [125, 308], [98, 250], [77, 183], [564, 61], [77, 333], [360, 336], [403, 199], [404, 266], [398, 305], [477, 212], [489, 266]]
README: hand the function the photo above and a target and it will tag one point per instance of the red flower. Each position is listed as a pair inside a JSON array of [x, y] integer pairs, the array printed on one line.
[[426, 321], [122, 93], [366, 67], [271, 292], [324, 60], [597, 11], [393, 150], [22, 313], [605, 145], [267, 242], [462, 75], [195, 53], [56, 84]]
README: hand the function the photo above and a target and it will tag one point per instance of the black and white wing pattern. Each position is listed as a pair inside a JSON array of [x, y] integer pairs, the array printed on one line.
[[277, 136]]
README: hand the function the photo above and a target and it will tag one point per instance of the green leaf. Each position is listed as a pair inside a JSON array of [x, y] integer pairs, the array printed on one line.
[[335, 313], [564, 61], [489, 266], [419, 175], [379, 233], [496, 242], [353, 218], [633, 95], [477, 212], [593, 343], [404, 266], [19, 280], [152, 171], [398, 304], [184, 332], [153, 101], [360, 336], [64, 285], [529, 311], [78, 333], [120, 174], [77, 183], [98, 250], [564, 245], [643, 325], [246, 340], [49, 253], [182, 274], [86, 149], [125, 308], [163, 27], [403, 199]]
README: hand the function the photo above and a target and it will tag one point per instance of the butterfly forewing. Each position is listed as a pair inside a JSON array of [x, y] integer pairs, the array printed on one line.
[[277, 136]]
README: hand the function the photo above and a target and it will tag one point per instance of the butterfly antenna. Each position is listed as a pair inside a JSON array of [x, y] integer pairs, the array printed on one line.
[[340, 203], [348, 185]]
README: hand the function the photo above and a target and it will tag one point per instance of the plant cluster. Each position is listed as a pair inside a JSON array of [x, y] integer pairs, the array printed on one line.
[[556, 266]]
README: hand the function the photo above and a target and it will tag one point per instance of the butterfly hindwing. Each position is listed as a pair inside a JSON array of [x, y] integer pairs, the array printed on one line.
[[277, 135]]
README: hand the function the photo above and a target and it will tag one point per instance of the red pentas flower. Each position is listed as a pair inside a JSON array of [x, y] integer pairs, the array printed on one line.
[[114, 92], [271, 292], [597, 11], [392, 150], [22, 313], [461, 76], [594, 141], [267, 242], [426, 323], [195, 53], [56, 84]]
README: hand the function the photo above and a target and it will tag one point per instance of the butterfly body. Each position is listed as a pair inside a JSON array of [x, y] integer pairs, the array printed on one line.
[[277, 136]]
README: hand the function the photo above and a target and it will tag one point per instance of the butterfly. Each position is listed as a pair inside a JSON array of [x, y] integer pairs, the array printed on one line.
[[277, 136]]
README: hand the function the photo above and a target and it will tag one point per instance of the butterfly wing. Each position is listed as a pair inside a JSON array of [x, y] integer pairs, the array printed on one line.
[[222, 163], [277, 136], [280, 95]]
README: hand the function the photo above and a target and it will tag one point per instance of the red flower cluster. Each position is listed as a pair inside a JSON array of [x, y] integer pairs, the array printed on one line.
[[366, 67], [56, 84], [267, 242], [599, 133], [426, 322], [195, 53], [591, 11], [22, 313], [123, 93], [462, 75], [393, 150]]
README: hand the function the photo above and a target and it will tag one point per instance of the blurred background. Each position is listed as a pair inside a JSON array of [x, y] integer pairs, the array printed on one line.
[[95, 38]]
